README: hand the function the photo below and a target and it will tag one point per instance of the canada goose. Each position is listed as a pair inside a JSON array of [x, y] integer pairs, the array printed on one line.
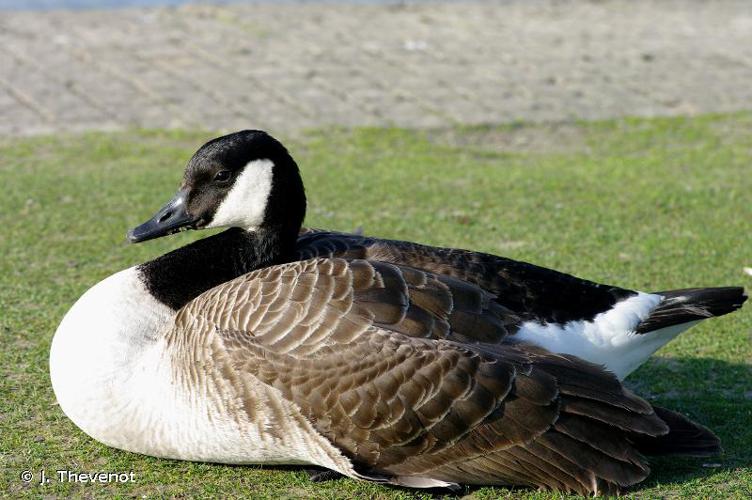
[[381, 360]]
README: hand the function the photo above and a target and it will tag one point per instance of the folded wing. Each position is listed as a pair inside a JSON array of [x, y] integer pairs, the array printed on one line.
[[375, 356]]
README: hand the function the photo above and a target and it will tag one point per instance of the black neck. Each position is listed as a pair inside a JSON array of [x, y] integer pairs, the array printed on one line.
[[178, 277]]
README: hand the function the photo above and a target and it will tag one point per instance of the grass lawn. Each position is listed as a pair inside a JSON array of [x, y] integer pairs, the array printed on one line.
[[647, 204]]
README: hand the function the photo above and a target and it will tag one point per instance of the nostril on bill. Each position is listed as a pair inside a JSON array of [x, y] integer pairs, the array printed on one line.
[[165, 216]]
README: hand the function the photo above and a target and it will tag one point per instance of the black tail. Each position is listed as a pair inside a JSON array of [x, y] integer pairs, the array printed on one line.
[[692, 304], [684, 438]]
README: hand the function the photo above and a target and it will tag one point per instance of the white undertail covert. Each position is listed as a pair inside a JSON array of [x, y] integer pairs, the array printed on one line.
[[609, 339]]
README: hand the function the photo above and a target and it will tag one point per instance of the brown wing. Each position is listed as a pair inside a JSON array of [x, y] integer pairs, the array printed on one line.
[[532, 292], [365, 350], [312, 297]]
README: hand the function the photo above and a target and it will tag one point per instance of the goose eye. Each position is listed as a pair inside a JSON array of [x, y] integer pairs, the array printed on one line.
[[222, 175]]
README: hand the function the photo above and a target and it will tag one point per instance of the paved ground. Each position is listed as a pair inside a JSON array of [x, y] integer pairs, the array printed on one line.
[[285, 68]]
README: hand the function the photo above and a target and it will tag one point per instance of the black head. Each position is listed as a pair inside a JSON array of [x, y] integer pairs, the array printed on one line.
[[246, 179]]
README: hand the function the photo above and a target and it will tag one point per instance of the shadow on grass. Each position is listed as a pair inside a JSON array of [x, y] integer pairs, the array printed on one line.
[[712, 392]]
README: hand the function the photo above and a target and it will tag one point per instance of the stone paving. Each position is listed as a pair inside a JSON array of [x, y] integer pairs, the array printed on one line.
[[291, 67]]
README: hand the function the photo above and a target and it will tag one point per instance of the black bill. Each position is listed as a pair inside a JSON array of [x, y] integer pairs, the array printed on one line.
[[170, 219]]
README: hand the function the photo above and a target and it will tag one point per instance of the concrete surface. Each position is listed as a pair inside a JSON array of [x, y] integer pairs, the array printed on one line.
[[290, 67]]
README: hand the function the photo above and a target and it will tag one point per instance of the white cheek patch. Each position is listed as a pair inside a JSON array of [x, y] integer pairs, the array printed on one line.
[[245, 204]]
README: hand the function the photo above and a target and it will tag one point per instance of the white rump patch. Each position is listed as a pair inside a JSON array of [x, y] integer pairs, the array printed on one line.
[[245, 204], [609, 339]]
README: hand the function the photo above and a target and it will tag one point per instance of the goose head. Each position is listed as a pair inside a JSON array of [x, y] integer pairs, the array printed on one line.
[[246, 179]]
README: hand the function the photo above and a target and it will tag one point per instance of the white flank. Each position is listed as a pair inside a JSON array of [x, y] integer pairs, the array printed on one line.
[[245, 204], [608, 339], [420, 482]]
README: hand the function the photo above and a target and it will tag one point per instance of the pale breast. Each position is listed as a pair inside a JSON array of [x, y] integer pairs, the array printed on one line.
[[120, 380]]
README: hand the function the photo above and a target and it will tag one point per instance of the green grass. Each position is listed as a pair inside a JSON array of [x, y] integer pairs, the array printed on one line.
[[648, 204]]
